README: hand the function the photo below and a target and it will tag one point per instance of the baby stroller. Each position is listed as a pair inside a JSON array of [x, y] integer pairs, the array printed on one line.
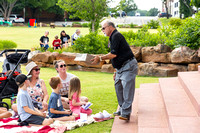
[[11, 68]]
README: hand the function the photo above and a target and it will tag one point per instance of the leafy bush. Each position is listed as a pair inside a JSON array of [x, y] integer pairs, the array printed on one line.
[[76, 24], [92, 43], [175, 22], [133, 25], [153, 24], [7, 44], [85, 25], [142, 37], [188, 34]]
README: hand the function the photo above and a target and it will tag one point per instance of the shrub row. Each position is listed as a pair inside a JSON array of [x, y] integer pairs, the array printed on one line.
[[7, 44], [174, 34]]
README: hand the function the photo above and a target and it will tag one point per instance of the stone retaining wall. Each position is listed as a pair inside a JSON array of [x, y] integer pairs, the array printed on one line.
[[158, 61]]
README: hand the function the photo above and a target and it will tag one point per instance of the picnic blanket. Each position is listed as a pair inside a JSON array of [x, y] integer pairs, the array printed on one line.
[[10, 125]]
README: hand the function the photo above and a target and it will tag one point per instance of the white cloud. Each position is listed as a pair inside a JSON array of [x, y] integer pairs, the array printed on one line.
[[143, 4]]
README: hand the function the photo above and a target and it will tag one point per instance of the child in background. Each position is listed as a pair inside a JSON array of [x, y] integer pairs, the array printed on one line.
[[74, 97], [55, 107], [56, 43], [27, 113]]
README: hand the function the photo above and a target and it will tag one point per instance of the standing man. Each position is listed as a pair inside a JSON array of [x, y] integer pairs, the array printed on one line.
[[126, 67], [44, 41], [75, 36]]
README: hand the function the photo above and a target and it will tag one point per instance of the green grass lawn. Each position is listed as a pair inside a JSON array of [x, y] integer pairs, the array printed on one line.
[[99, 88], [27, 38]]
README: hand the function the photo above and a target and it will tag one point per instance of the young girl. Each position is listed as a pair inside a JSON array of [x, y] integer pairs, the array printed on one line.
[[74, 97], [56, 43]]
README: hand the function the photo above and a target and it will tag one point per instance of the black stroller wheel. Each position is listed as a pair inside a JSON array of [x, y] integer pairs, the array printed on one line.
[[5, 105]]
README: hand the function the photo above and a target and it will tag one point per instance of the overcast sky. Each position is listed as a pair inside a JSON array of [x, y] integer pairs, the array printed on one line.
[[143, 4]]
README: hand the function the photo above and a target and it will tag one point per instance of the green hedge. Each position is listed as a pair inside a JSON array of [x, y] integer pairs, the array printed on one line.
[[7, 44], [92, 43]]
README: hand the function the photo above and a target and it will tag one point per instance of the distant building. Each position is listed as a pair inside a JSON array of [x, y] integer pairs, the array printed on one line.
[[173, 8]]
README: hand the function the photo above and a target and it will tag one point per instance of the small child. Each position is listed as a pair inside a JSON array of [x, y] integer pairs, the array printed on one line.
[[74, 97], [56, 43], [55, 107], [27, 113]]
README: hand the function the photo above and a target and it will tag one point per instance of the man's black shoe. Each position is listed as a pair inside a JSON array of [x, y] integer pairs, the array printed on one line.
[[118, 113], [124, 117]]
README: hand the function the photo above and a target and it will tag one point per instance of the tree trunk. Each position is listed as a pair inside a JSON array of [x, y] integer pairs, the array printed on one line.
[[166, 7], [93, 26]]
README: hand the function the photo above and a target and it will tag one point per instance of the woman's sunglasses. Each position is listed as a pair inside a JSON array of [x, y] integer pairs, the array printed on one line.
[[37, 69], [61, 66]]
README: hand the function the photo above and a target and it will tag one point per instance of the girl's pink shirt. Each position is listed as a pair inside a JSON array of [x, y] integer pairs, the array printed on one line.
[[76, 98]]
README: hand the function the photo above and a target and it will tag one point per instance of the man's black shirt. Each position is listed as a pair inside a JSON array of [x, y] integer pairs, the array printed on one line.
[[119, 47]]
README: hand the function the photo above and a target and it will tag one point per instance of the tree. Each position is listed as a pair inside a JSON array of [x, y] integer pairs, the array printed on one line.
[[185, 8], [127, 6], [38, 5], [153, 12], [6, 7], [195, 3], [166, 7], [89, 10]]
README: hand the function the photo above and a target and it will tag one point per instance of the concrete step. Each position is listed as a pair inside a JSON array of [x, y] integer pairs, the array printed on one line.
[[120, 126], [176, 101], [182, 115], [151, 111], [185, 124], [190, 81]]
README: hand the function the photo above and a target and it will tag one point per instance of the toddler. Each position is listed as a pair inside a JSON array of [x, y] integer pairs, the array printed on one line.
[[56, 43], [74, 97]]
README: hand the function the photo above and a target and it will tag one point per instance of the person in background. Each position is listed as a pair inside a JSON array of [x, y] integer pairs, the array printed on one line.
[[75, 36], [65, 39], [125, 64], [44, 41], [56, 43]]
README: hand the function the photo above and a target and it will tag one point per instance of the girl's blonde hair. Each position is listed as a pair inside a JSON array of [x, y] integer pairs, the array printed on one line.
[[74, 86]]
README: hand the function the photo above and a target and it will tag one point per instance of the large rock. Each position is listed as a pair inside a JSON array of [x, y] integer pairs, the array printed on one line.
[[181, 68], [41, 57], [193, 67], [107, 68], [184, 55], [154, 69], [146, 68], [67, 57], [165, 71], [137, 52], [158, 54], [198, 52]]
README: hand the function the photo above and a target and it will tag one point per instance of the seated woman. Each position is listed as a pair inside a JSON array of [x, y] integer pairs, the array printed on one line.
[[65, 79], [37, 90]]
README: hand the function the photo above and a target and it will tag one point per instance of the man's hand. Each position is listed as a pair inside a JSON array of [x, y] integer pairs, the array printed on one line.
[[114, 75], [95, 60]]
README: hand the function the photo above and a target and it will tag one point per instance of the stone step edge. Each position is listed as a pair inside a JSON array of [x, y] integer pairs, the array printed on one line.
[[134, 114], [190, 95], [167, 117]]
